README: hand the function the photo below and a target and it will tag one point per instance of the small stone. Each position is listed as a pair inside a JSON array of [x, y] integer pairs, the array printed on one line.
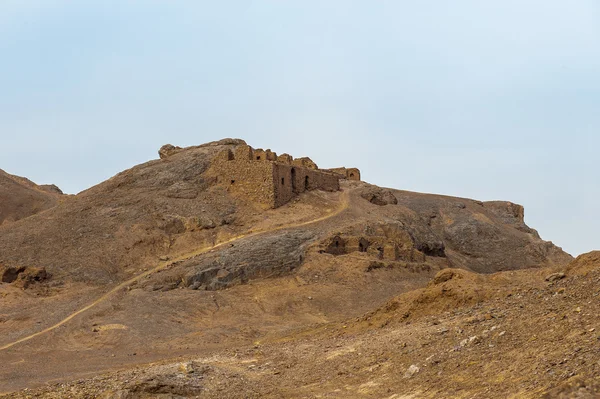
[[502, 334], [412, 370], [474, 339], [577, 309], [555, 276], [186, 368]]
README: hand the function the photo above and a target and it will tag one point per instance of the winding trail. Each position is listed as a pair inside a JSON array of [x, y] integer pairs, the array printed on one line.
[[343, 206]]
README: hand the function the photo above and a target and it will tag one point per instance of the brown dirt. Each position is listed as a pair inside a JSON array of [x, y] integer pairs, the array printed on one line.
[[20, 198], [508, 335], [159, 263]]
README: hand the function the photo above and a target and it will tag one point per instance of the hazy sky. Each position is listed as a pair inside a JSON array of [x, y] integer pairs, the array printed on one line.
[[481, 99]]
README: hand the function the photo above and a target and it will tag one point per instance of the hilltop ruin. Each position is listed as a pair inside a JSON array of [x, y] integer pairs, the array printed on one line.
[[272, 180]]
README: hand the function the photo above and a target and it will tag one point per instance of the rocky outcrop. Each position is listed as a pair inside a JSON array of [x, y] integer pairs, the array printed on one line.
[[269, 256], [265, 256], [511, 214], [23, 277], [485, 237], [379, 196], [167, 150]]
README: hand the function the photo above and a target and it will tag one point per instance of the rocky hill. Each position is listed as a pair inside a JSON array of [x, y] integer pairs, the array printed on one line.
[[171, 206], [169, 259], [20, 197]]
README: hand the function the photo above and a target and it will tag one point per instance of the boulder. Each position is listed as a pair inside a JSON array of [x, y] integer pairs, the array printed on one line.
[[379, 196], [31, 275], [555, 277], [167, 150]]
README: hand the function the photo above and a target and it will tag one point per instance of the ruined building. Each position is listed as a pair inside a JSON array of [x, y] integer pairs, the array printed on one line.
[[387, 242], [271, 180], [347, 173]]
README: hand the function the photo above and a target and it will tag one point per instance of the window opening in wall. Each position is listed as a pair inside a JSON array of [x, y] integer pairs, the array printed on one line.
[[380, 250], [306, 183], [351, 174], [293, 178], [233, 181], [282, 181], [258, 158]]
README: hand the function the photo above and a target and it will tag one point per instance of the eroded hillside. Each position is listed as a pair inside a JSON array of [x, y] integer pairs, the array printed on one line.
[[20, 198], [174, 258], [519, 334]]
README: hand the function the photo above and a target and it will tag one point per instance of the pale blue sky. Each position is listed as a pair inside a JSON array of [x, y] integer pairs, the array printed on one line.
[[481, 99]]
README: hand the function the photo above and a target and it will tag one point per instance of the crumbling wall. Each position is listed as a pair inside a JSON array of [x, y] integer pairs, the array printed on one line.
[[265, 178], [264, 155], [285, 159], [240, 174], [388, 242], [305, 162], [346, 173], [321, 180], [292, 180], [282, 177]]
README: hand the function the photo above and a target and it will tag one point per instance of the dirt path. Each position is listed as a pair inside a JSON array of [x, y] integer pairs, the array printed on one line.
[[343, 206]]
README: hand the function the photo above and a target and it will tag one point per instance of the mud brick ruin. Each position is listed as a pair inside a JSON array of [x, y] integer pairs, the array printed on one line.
[[266, 178], [385, 242]]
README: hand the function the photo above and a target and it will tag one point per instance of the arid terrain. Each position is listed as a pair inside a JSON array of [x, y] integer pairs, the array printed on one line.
[[170, 281], [21, 197]]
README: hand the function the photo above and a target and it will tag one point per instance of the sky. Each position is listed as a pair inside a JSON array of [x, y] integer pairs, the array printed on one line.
[[491, 100]]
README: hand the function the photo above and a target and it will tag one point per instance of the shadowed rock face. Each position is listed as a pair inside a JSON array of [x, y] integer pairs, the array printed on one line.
[[21, 198], [378, 196], [485, 237], [259, 257]]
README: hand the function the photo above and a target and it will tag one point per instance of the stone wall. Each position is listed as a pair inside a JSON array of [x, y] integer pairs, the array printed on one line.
[[282, 177], [265, 178], [346, 173], [385, 243]]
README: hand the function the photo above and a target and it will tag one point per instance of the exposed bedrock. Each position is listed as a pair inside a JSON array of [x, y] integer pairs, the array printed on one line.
[[256, 257]]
